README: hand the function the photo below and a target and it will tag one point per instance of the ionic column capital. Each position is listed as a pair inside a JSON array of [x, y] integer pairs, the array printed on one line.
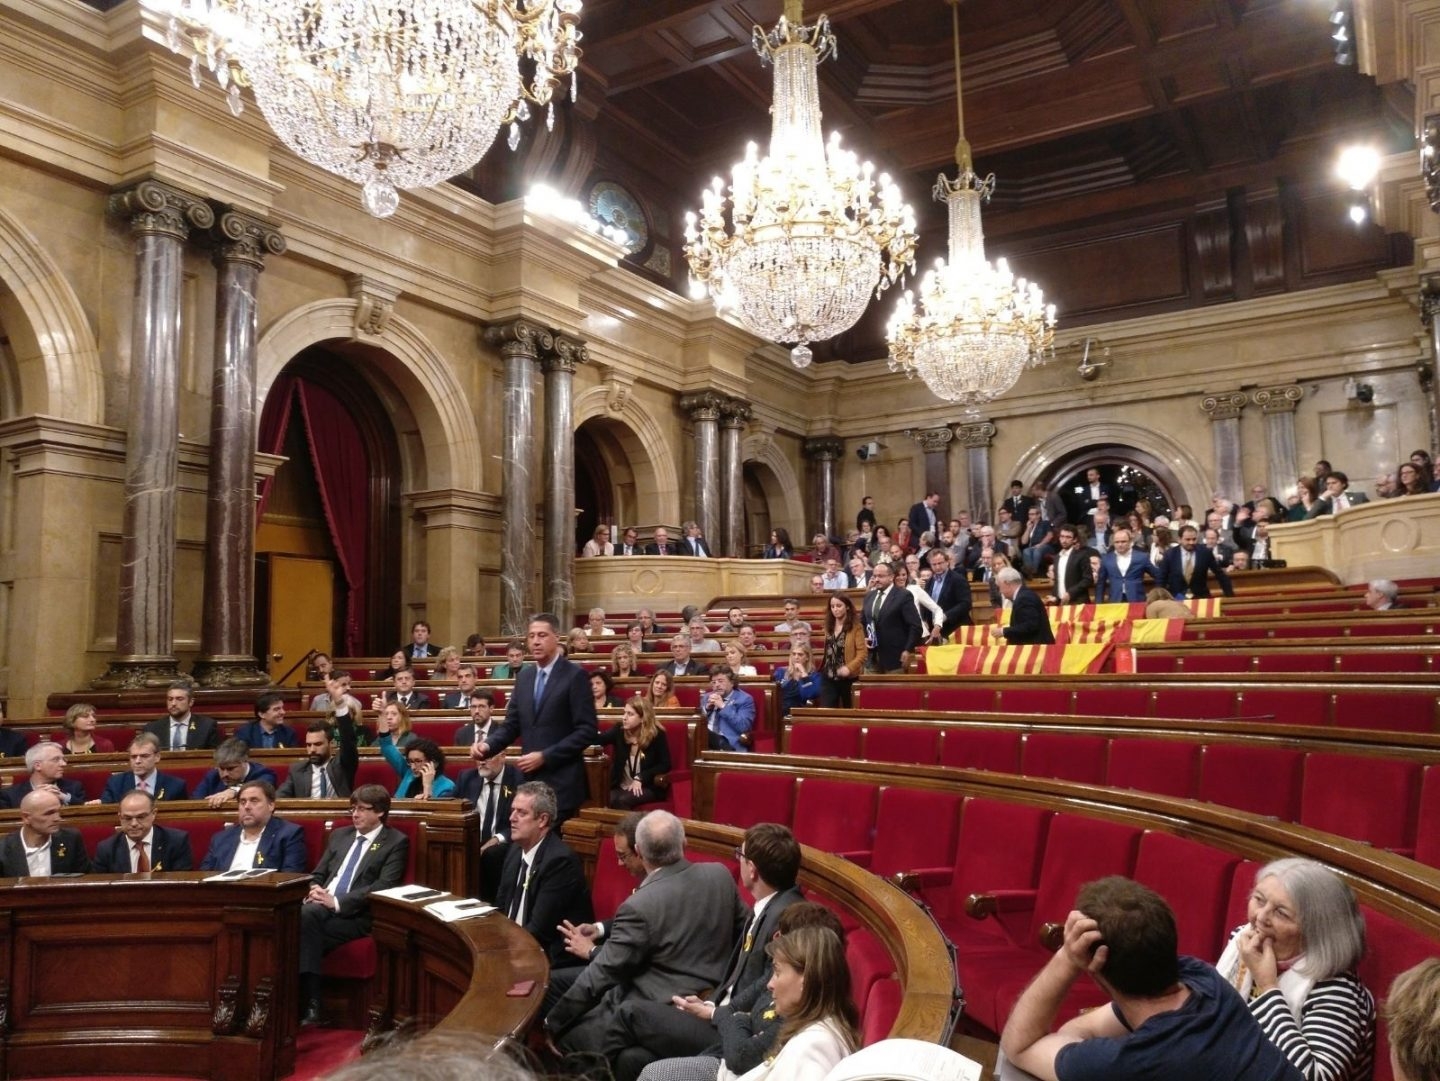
[[1224, 405], [932, 440], [242, 238], [977, 434], [827, 449], [1282, 399], [156, 209]]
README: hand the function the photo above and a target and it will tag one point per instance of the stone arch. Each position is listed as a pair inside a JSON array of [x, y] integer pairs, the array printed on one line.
[[1189, 475], [447, 429], [636, 433], [778, 480], [55, 350]]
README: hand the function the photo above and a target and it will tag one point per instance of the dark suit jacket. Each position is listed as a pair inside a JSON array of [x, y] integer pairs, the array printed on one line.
[[12, 795], [381, 866], [282, 848], [204, 733], [562, 727], [635, 550], [212, 783], [252, 735], [120, 784], [1326, 506], [67, 855], [1079, 578], [920, 522], [1113, 588], [418, 699], [431, 650], [13, 744], [896, 627], [672, 548], [692, 668], [1028, 623], [557, 892], [1172, 573], [748, 966], [654, 759], [340, 768], [955, 600], [452, 700], [169, 851], [686, 550], [468, 787]]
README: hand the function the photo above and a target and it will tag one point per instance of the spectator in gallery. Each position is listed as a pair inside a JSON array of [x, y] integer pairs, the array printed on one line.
[[780, 546], [599, 543]]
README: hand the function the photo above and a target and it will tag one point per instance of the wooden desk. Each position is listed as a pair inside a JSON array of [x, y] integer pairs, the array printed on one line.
[[452, 977], [133, 974]]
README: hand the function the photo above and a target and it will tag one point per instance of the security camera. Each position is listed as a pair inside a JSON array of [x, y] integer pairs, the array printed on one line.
[[1364, 393], [868, 451]]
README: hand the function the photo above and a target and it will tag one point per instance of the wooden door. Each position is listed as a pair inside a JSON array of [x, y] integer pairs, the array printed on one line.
[[302, 611]]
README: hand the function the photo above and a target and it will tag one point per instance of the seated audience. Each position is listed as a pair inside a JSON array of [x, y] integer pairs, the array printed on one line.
[[661, 691], [465, 677], [321, 665], [474, 646], [791, 620], [144, 774], [681, 663], [599, 543], [42, 846], [420, 767], [233, 770], [321, 775], [447, 665], [398, 662], [639, 755], [746, 637], [490, 785], [1337, 496], [183, 730], [404, 693], [259, 838], [1409, 480], [12, 743], [595, 624], [1412, 1012], [1240, 561], [1293, 962], [45, 768], [336, 692], [629, 543], [393, 720], [1383, 595], [515, 659], [268, 729], [482, 706], [798, 680], [780, 546], [635, 637], [80, 738], [364, 856], [577, 641], [602, 690], [542, 883], [728, 712], [700, 640], [142, 846], [737, 658], [622, 661], [420, 647]]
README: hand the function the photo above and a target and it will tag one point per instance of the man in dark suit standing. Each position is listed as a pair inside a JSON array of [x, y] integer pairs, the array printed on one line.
[[183, 730], [258, 839], [1185, 570], [1029, 625], [490, 785], [892, 624], [923, 517], [41, 846], [694, 541], [1123, 571], [364, 856], [661, 545], [542, 882], [321, 775], [1094, 491], [46, 763], [1074, 578], [949, 589], [141, 845], [552, 712], [420, 646], [144, 774]]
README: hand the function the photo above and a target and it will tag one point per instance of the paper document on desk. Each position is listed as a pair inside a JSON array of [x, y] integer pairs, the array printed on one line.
[[905, 1060], [410, 893], [236, 876], [462, 909]]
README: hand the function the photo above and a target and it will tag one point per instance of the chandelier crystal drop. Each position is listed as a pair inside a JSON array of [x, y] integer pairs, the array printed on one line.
[[387, 93], [976, 326], [811, 233]]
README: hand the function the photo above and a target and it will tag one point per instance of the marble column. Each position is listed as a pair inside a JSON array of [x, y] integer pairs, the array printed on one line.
[[935, 442], [559, 366], [824, 453], [521, 344], [1277, 404], [975, 438], [160, 218], [227, 620], [1429, 369], [733, 416], [1223, 409], [704, 412]]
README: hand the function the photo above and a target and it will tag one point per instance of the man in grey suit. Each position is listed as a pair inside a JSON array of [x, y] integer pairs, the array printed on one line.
[[552, 712], [673, 936], [321, 775]]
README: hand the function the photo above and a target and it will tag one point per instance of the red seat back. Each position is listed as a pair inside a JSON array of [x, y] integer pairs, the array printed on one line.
[[894, 697], [1242, 885], [1078, 850], [1035, 700], [1294, 662], [1168, 767], [1195, 879], [1427, 821], [995, 749], [743, 799], [1065, 756], [1261, 780], [1385, 712], [999, 848], [963, 699], [1112, 702], [835, 816], [829, 740], [881, 1009], [915, 829], [1374, 800], [1194, 703], [613, 883], [1390, 949], [1287, 706], [1227, 661], [902, 743]]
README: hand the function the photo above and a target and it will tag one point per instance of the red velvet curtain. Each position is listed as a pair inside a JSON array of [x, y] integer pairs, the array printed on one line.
[[274, 423]]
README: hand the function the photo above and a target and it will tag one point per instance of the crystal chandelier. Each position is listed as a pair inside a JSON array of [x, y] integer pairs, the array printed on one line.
[[977, 326], [388, 93], [811, 232]]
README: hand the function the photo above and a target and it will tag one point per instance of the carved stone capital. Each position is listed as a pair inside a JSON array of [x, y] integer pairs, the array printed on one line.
[[827, 449], [520, 338], [565, 354], [240, 238], [374, 304], [1223, 405], [703, 406], [1281, 399], [156, 209], [618, 388], [734, 413], [932, 440], [978, 434]]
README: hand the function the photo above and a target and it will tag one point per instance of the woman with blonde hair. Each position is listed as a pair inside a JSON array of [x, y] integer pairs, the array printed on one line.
[[447, 665], [578, 641], [394, 720], [80, 738], [737, 658], [622, 658], [639, 754]]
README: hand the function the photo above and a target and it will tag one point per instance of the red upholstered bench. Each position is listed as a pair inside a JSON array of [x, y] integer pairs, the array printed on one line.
[[1195, 879], [825, 740], [915, 831], [1065, 756], [995, 749], [1231, 775], [1374, 800], [893, 697], [1163, 766], [743, 799], [901, 743], [837, 817]]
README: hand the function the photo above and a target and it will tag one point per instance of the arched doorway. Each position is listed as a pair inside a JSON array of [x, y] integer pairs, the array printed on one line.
[[757, 510], [614, 478], [1130, 473], [328, 545]]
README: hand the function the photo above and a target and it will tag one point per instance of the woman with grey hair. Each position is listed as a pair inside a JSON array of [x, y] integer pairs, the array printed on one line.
[[1294, 962]]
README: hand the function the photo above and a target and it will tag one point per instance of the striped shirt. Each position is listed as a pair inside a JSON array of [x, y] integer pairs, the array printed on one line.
[[1334, 1039]]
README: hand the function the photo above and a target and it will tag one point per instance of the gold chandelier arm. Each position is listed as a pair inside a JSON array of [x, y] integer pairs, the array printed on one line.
[[962, 146]]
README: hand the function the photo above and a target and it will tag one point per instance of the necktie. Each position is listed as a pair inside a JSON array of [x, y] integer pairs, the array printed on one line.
[[142, 784], [522, 887], [324, 792], [464, 701], [1189, 567], [342, 887], [487, 815], [935, 587], [177, 735], [540, 677], [142, 861], [405, 700]]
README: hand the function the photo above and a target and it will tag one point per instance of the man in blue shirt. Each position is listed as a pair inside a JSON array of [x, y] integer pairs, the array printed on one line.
[[1169, 1016]]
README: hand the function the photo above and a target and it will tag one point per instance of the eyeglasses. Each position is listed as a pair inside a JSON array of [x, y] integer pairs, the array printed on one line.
[[740, 853]]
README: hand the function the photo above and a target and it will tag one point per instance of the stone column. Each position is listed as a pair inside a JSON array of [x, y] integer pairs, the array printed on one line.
[[935, 442], [975, 438], [227, 621], [1223, 409], [733, 416], [1428, 369], [160, 220], [824, 453], [559, 367], [704, 411], [521, 344], [1278, 406]]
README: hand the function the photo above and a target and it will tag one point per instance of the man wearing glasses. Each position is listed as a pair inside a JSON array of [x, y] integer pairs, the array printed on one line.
[[141, 845]]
